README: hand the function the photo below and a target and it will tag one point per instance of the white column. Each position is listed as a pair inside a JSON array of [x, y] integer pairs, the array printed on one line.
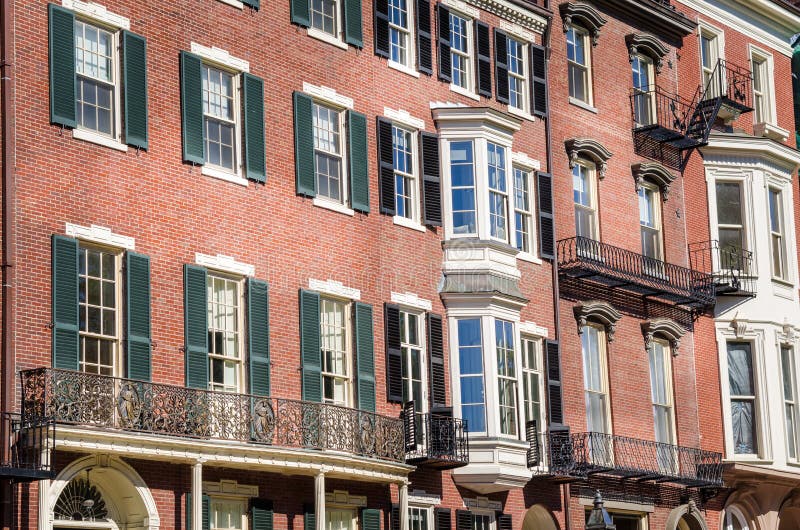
[[403, 494], [197, 495], [319, 500], [45, 521]]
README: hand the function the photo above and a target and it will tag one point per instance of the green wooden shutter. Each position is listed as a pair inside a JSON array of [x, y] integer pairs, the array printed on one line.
[[196, 326], [137, 282], [258, 336], [261, 514], [309, 346], [309, 517], [206, 522], [192, 109], [304, 145], [365, 356], [62, 66], [353, 31], [253, 100], [134, 75], [65, 302], [300, 12], [370, 519], [255, 4], [359, 163]]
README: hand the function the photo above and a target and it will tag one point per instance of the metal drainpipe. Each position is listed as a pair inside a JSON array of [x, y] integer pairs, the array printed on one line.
[[7, 361]]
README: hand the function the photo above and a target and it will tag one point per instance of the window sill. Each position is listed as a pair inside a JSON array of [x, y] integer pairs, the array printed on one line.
[[99, 139], [771, 131], [326, 37], [335, 206], [526, 256], [582, 104], [403, 68], [234, 3], [409, 223], [464, 92], [223, 175], [520, 113]]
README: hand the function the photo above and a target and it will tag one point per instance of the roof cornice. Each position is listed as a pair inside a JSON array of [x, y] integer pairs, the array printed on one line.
[[655, 17], [753, 147]]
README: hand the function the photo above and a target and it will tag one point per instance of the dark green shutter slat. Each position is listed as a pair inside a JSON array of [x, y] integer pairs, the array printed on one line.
[[192, 108], [309, 518], [547, 229], [442, 519], [501, 65], [365, 357], [253, 100], [134, 74], [65, 302], [300, 12], [258, 336], [431, 179], [370, 519], [206, 522], [504, 521], [394, 518], [445, 64], [310, 346], [196, 326], [483, 59], [386, 167], [381, 28], [261, 514], [436, 362], [359, 163], [554, 398], [62, 66], [255, 4], [538, 80], [394, 354], [137, 283], [424, 39], [464, 520], [353, 30], [304, 145]]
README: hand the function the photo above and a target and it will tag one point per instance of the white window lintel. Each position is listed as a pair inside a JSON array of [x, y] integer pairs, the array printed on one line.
[[482, 503], [100, 234], [517, 31], [411, 300], [343, 498], [421, 497], [221, 57], [230, 487], [328, 95], [463, 8], [225, 263], [97, 12], [402, 117], [532, 328], [334, 288], [523, 160]]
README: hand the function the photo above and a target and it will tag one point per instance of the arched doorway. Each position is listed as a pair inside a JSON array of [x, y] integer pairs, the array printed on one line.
[[539, 518], [686, 517]]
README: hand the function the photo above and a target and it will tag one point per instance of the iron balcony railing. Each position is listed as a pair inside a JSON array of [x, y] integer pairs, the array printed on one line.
[[576, 456], [732, 84], [667, 117], [590, 260], [731, 267], [79, 398], [435, 440], [29, 445]]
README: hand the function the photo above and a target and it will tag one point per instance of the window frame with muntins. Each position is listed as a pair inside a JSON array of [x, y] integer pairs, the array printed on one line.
[[407, 171], [235, 121], [396, 29], [340, 155], [586, 173], [345, 376], [114, 84], [462, 52], [233, 364], [579, 71]]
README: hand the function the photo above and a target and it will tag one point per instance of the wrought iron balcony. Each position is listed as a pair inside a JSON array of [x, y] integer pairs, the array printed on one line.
[[435, 440], [664, 117], [731, 86], [731, 267], [30, 443], [586, 261], [104, 402], [571, 457]]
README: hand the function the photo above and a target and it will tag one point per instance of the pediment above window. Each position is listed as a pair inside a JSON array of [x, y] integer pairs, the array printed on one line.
[[663, 328], [646, 44], [584, 15], [598, 312], [590, 149], [655, 173]]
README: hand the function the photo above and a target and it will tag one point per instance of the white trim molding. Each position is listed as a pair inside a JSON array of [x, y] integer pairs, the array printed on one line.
[[482, 503], [221, 57], [532, 328], [97, 12], [512, 12], [461, 6], [334, 288], [230, 487], [517, 31], [101, 235], [424, 498], [404, 118], [343, 498], [411, 300], [328, 95], [224, 263], [523, 160]]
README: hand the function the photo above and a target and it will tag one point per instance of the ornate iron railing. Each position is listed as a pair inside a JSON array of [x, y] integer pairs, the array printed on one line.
[[731, 82], [655, 106], [29, 444], [108, 402], [576, 456], [582, 257], [731, 267], [437, 440]]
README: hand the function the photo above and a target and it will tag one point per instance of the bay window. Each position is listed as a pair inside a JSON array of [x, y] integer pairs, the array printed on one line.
[[470, 357], [789, 400], [776, 230], [462, 178], [523, 210], [730, 221], [743, 398], [498, 192], [506, 376]]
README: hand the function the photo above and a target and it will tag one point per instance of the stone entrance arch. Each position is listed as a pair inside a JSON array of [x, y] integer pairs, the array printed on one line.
[[686, 517], [539, 518]]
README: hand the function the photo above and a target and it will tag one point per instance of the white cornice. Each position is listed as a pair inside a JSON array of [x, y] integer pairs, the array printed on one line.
[[532, 328], [100, 234], [460, 5], [225, 264], [97, 12], [462, 118], [334, 288], [524, 160], [402, 117], [746, 150], [221, 57], [328, 95], [411, 300], [511, 12]]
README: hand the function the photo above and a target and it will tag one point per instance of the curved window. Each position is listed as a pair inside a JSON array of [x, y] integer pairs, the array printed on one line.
[[734, 520]]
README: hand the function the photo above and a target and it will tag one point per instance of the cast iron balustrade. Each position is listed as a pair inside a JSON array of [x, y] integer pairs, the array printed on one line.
[[437, 440], [587, 260], [113, 403], [731, 267], [570, 457], [30, 443]]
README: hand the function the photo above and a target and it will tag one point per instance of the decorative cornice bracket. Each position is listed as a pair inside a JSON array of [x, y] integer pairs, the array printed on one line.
[[646, 44], [599, 312], [655, 173], [665, 328], [585, 15], [591, 149]]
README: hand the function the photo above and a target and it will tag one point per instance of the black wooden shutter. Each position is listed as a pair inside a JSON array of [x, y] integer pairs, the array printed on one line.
[[394, 519], [365, 356], [300, 12], [431, 180], [353, 30], [62, 66], [310, 346], [134, 74], [195, 326], [503, 521], [304, 145], [554, 382], [137, 284], [192, 109], [309, 517], [464, 519], [436, 358], [445, 64], [547, 229], [394, 356], [483, 59], [258, 336], [382, 28], [252, 3], [538, 80], [534, 453], [261, 514], [424, 39], [442, 519], [253, 102], [65, 340], [359, 163], [386, 166], [501, 65]]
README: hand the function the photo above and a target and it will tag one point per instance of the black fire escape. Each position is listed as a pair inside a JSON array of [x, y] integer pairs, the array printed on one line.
[[667, 127], [29, 443]]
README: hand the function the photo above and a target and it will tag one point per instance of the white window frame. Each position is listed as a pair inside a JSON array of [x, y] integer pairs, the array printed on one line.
[[414, 221], [583, 33], [469, 90], [526, 215], [504, 195], [514, 380], [221, 172], [647, 93], [320, 200], [602, 352], [781, 235], [423, 354], [241, 370], [528, 378], [766, 65], [657, 214], [428, 509], [410, 65], [524, 78], [592, 208], [215, 500], [348, 378], [717, 36], [745, 190], [790, 401], [491, 515], [341, 509], [337, 39]]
